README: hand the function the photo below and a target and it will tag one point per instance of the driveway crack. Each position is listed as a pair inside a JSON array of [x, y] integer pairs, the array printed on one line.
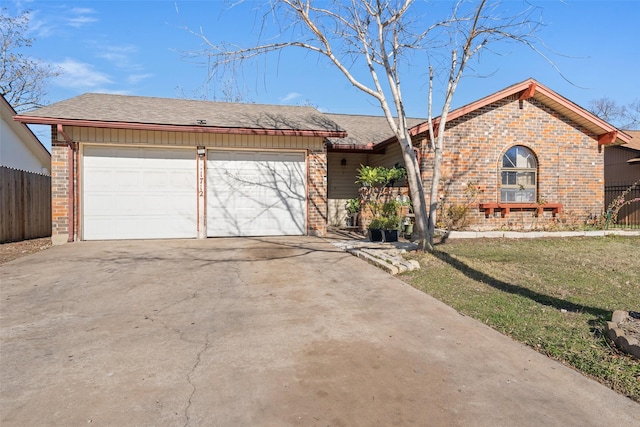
[[190, 374]]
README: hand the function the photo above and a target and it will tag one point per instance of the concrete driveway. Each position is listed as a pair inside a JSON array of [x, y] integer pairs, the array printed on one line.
[[261, 332]]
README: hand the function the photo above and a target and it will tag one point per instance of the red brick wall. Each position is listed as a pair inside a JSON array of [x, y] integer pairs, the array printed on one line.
[[570, 165], [317, 193], [59, 189]]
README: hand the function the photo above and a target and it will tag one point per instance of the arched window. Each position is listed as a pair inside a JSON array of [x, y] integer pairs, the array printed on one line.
[[519, 176]]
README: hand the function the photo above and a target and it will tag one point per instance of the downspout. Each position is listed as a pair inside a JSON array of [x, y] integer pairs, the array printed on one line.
[[71, 182]]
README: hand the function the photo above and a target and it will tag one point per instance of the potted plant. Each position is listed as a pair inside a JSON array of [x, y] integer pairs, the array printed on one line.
[[353, 208], [375, 230], [408, 227], [386, 217], [391, 228]]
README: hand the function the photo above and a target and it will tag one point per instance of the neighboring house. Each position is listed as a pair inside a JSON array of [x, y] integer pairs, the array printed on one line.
[[143, 167], [19, 147], [621, 170], [622, 162], [25, 184]]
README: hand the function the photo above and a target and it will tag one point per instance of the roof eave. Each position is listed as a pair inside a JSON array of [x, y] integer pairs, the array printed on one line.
[[530, 88], [178, 128], [634, 160], [352, 148]]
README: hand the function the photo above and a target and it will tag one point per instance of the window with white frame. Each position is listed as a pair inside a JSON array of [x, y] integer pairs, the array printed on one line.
[[519, 176]]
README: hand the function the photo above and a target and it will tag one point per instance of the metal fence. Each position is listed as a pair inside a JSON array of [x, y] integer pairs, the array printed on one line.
[[25, 205], [629, 215]]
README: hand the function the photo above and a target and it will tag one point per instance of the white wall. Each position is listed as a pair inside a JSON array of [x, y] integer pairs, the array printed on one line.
[[14, 154], [19, 147]]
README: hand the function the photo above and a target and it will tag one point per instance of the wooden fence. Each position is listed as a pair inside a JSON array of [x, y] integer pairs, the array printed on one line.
[[629, 215], [25, 205]]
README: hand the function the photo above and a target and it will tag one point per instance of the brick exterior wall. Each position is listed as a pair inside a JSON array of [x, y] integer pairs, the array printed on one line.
[[570, 163], [59, 189], [317, 193]]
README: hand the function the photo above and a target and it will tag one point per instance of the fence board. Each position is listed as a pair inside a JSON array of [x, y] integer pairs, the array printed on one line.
[[629, 215], [25, 205]]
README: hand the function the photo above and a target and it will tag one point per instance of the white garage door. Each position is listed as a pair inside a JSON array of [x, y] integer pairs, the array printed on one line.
[[255, 193], [138, 193]]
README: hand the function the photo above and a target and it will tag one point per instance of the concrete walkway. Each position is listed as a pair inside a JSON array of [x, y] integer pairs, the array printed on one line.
[[261, 332]]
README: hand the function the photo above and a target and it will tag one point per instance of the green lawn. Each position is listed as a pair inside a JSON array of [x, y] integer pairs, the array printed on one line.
[[551, 294]]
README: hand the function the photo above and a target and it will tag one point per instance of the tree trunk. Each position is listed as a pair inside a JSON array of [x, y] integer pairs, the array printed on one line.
[[416, 188], [433, 194]]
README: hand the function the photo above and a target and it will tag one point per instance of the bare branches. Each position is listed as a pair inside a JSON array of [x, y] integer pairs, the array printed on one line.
[[22, 79], [379, 36], [622, 116]]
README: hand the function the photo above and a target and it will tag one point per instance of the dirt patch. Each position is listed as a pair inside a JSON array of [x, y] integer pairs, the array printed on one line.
[[15, 250]]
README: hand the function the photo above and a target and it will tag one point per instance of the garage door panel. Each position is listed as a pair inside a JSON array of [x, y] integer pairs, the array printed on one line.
[[128, 204], [98, 180], [256, 193], [100, 203], [139, 193], [156, 179], [127, 181]]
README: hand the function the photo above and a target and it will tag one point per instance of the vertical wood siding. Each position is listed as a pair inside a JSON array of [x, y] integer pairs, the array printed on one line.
[[616, 169], [25, 205]]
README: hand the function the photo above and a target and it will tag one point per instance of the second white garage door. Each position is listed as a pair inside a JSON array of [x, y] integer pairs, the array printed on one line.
[[139, 193], [256, 193]]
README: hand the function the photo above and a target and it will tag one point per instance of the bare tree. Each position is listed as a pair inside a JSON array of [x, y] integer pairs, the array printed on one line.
[[22, 79], [633, 115], [382, 37], [622, 116]]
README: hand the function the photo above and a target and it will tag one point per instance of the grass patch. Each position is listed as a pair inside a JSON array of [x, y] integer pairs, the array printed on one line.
[[551, 294]]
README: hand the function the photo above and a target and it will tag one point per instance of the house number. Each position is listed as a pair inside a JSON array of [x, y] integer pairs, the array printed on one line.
[[201, 179]]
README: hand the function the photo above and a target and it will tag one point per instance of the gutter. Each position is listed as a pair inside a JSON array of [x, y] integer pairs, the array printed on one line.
[[178, 128]]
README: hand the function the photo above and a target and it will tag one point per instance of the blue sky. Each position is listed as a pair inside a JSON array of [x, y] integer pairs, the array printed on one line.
[[134, 47]]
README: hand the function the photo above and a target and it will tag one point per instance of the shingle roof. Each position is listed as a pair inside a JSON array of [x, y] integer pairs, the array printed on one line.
[[634, 144], [95, 107], [364, 130]]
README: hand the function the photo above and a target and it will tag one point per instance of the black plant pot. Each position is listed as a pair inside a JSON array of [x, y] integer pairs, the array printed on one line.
[[390, 235], [375, 235]]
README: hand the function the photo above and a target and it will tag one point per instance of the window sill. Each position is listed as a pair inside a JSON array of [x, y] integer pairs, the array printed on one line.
[[505, 208]]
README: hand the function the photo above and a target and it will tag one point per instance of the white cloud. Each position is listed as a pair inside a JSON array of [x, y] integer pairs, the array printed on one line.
[[80, 75], [137, 78], [291, 96], [39, 26], [47, 22], [80, 16], [112, 91], [82, 10], [120, 56]]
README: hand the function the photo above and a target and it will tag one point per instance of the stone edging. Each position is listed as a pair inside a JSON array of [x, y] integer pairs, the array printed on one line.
[[627, 344], [385, 256]]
